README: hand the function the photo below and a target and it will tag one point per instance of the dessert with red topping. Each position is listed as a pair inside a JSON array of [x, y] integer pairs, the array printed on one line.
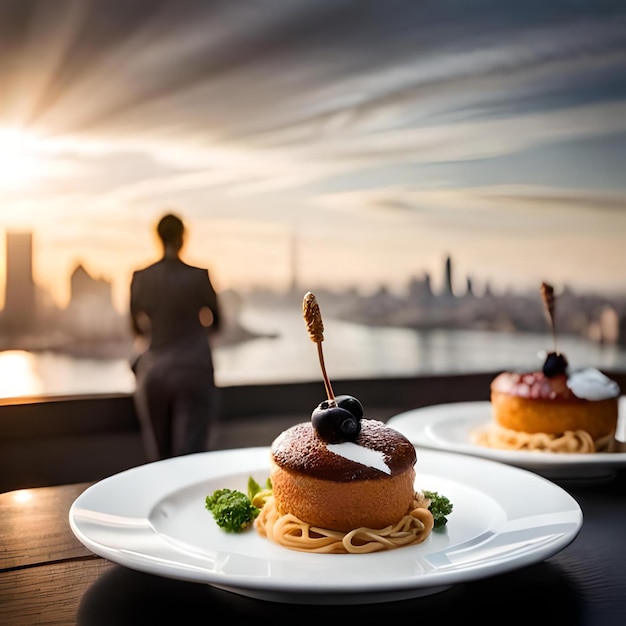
[[535, 403], [552, 409]]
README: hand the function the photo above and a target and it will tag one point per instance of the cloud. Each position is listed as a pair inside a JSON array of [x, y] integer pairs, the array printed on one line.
[[348, 123], [235, 70]]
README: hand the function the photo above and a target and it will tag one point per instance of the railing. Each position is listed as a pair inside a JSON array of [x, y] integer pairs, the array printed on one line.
[[48, 441]]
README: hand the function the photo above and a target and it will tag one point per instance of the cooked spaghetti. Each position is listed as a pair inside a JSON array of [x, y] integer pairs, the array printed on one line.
[[571, 441], [291, 532]]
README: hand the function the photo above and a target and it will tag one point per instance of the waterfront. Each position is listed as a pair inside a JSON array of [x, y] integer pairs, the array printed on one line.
[[350, 351]]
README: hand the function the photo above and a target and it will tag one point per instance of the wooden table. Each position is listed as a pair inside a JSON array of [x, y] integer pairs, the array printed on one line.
[[48, 577]]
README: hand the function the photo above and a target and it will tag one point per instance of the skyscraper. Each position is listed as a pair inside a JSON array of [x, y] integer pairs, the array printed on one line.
[[448, 289], [19, 304]]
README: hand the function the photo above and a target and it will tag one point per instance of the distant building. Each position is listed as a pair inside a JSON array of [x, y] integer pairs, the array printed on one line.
[[420, 289], [19, 313], [84, 288], [90, 314], [448, 289]]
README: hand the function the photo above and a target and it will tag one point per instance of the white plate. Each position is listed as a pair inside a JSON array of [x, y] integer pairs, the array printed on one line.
[[448, 427], [153, 518]]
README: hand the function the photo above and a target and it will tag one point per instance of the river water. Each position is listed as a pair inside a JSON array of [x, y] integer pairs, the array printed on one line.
[[350, 351]]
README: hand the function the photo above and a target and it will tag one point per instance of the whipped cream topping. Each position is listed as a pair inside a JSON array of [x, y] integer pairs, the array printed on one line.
[[359, 454], [591, 384]]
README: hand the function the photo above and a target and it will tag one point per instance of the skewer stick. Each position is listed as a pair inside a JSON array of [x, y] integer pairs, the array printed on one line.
[[549, 302], [315, 327]]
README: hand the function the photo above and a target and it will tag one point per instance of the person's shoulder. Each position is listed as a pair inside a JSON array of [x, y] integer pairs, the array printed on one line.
[[196, 269], [142, 271]]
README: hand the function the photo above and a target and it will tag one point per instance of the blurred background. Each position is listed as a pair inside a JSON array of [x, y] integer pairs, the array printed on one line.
[[420, 166]]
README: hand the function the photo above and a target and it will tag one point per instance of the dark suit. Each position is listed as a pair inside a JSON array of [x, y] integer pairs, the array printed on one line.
[[176, 395]]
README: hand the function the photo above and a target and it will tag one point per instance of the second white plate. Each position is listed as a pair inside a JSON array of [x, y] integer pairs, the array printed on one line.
[[448, 427]]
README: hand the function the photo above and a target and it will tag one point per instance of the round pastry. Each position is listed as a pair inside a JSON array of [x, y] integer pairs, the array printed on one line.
[[535, 403], [585, 401], [342, 483], [365, 482], [552, 409]]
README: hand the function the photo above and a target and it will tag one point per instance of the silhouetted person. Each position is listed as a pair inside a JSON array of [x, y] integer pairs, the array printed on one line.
[[174, 306]]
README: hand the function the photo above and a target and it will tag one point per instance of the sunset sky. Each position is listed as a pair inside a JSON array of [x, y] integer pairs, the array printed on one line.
[[379, 136]]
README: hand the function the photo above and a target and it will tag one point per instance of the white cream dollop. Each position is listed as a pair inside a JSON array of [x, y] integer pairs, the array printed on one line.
[[591, 384], [360, 454]]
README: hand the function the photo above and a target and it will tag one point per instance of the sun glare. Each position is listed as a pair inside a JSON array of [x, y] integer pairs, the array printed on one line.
[[18, 374], [22, 496], [20, 158]]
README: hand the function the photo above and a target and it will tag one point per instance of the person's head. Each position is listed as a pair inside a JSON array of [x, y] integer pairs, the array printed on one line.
[[171, 231]]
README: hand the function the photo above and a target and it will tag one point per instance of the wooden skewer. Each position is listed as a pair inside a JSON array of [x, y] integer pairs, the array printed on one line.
[[315, 328], [549, 302]]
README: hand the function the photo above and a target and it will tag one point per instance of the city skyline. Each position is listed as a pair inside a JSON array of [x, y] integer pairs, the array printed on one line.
[[454, 303], [380, 141], [27, 294]]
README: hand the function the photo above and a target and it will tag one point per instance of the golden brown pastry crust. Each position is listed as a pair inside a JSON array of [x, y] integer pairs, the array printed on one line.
[[598, 417], [330, 491], [372, 503], [553, 410]]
